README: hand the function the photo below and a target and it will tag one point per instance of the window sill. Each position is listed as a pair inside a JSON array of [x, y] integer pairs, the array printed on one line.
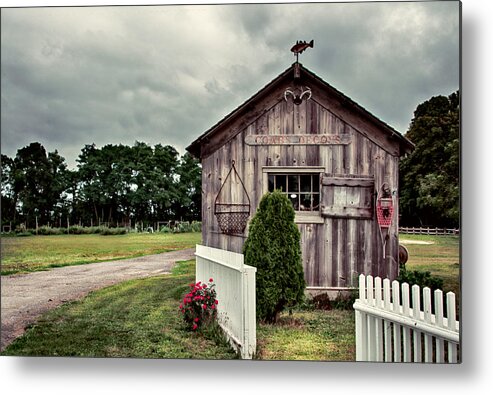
[[303, 218]]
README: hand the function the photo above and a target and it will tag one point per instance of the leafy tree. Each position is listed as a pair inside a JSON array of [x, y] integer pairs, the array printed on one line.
[[91, 177], [123, 182], [429, 176], [273, 247], [60, 183], [38, 179], [9, 199], [142, 181], [189, 207], [165, 165]]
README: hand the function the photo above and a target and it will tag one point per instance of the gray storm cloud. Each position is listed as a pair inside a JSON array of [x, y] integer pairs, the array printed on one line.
[[164, 74]]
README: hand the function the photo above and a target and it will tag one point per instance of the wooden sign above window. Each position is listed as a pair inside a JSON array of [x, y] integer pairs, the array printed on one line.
[[297, 139]]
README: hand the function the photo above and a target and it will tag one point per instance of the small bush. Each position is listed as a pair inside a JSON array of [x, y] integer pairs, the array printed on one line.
[[49, 231], [199, 305], [73, 230], [24, 234], [182, 227], [343, 301], [321, 302], [196, 226], [20, 228], [423, 279], [78, 230], [113, 231]]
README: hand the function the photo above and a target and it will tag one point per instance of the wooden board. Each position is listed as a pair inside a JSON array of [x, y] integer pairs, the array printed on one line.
[[346, 241]]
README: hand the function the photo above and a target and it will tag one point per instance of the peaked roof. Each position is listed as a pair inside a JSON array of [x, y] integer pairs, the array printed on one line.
[[194, 148]]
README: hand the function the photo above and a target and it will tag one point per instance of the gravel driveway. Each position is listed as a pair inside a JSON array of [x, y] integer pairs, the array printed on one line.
[[25, 297]]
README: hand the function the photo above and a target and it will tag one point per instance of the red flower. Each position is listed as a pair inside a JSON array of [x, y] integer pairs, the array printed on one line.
[[195, 326], [204, 306], [216, 301], [196, 319], [213, 306], [211, 280]]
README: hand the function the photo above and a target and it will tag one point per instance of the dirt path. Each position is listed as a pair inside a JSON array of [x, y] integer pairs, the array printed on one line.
[[25, 297]]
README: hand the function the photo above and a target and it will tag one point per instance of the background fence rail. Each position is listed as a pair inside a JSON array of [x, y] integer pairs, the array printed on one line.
[[235, 288], [428, 231], [391, 326]]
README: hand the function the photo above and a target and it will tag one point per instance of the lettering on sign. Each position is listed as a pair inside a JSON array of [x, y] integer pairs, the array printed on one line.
[[297, 139]]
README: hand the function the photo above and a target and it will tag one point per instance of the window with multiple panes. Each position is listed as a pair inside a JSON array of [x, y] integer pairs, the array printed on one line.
[[303, 190]]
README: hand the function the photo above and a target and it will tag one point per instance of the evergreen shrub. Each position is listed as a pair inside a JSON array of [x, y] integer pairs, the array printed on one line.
[[273, 247]]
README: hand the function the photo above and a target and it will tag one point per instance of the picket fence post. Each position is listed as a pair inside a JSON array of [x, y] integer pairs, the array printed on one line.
[[396, 325]]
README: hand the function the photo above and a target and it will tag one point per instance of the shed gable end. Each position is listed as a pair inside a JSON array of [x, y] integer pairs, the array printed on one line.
[[274, 94]]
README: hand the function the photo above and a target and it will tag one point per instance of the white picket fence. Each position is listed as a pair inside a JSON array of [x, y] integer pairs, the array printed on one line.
[[388, 330], [235, 288]]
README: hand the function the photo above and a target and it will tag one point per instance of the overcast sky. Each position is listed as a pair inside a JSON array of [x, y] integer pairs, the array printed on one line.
[[72, 76]]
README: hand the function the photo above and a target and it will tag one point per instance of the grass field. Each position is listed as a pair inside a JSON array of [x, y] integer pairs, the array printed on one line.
[[441, 258], [27, 254], [140, 318], [310, 335]]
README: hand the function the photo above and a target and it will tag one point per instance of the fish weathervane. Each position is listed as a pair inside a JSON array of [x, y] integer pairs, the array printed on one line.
[[300, 46]]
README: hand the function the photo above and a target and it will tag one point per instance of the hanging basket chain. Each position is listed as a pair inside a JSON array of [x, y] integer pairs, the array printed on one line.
[[232, 217]]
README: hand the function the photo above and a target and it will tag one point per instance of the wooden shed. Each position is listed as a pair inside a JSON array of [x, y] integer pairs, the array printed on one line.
[[330, 156]]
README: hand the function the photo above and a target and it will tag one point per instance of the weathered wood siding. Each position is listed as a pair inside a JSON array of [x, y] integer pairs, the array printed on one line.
[[336, 250]]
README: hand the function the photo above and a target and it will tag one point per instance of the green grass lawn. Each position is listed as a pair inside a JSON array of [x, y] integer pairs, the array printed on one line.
[[441, 258], [310, 335], [27, 254], [138, 318]]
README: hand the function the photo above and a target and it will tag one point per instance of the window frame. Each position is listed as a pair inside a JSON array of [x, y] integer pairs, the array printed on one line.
[[307, 217]]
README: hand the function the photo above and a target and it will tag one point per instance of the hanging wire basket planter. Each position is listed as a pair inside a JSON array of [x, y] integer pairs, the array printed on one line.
[[232, 217]]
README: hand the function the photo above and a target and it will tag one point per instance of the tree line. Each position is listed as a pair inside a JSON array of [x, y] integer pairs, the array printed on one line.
[[118, 184], [112, 185]]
